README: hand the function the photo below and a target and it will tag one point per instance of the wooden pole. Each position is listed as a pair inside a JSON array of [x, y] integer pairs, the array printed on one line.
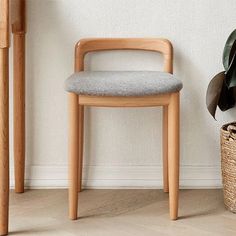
[[4, 116], [168, 67], [173, 154], [81, 146], [19, 110], [73, 154], [19, 30], [4, 141], [165, 149]]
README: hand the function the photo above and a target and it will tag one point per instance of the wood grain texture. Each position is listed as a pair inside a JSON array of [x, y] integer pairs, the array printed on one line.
[[165, 148], [19, 110], [73, 155], [18, 16], [18, 21], [4, 116], [152, 44], [173, 154], [106, 101], [158, 45], [170, 114], [81, 145], [4, 140], [79, 66], [126, 212], [4, 24]]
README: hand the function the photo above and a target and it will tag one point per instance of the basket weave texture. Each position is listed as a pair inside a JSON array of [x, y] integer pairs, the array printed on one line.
[[228, 165]]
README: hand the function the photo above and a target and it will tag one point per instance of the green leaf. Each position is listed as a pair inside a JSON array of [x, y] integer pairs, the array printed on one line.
[[214, 92], [231, 73], [227, 97], [229, 49]]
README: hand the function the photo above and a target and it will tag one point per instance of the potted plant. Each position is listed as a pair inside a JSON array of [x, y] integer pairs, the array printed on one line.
[[221, 92]]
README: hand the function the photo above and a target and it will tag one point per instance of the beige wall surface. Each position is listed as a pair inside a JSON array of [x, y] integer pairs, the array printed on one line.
[[123, 146]]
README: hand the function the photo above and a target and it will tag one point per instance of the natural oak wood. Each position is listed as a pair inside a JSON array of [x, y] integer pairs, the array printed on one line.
[[81, 145], [163, 46], [73, 154], [79, 66], [106, 101], [4, 24], [4, 140], [4, 116], [18, 21], [97, 44], [165, 148], [170, 103], [173, 154], [18, 16], [19, 110], [18, 28]]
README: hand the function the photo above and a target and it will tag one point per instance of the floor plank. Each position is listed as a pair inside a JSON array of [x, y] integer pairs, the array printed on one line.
[[120, 212]]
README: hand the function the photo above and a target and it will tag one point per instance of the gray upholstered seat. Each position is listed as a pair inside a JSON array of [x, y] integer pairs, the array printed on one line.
[[122, 83]]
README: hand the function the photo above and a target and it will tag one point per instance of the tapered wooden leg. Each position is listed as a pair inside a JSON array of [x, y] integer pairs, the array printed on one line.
[[73, 155], [173, 154], [19, 110], [4, 141], [81, 145], [165, 149]]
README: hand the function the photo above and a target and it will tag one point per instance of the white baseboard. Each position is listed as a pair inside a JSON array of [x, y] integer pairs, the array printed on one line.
[[120, 177]]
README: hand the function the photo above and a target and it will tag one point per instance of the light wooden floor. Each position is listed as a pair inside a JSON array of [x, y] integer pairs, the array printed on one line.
[[120, 213]]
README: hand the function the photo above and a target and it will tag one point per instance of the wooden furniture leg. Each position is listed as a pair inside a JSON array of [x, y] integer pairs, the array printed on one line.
[[173, 154], [4, 116], [18, 29], [73, 155], [165, 149], [19, 111], [4, 141], [81, 145]]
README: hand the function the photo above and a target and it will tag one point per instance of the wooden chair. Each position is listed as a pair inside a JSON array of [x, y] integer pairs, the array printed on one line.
[[83, 92]]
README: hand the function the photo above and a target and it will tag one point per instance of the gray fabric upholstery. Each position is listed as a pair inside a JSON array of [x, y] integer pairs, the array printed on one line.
[[122, 83]]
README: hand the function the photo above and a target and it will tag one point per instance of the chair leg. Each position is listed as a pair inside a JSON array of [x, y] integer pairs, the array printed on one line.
[[19, 111], [73, 155], [81, 145], [4, 141], [165, 149], [173, 154]]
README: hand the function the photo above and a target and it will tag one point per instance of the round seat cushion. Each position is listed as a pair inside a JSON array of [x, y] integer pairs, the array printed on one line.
[[122, 83]]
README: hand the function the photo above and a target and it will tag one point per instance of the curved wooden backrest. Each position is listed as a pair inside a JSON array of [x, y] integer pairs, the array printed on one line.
[[101, 44]]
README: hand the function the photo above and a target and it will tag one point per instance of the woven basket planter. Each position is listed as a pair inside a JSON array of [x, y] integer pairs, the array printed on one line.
[[228, 165]]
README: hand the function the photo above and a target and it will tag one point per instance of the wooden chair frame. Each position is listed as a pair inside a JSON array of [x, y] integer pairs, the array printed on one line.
[[170, 103]]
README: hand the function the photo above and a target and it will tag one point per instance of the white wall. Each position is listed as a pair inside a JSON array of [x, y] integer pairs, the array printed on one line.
[[123, 146]]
